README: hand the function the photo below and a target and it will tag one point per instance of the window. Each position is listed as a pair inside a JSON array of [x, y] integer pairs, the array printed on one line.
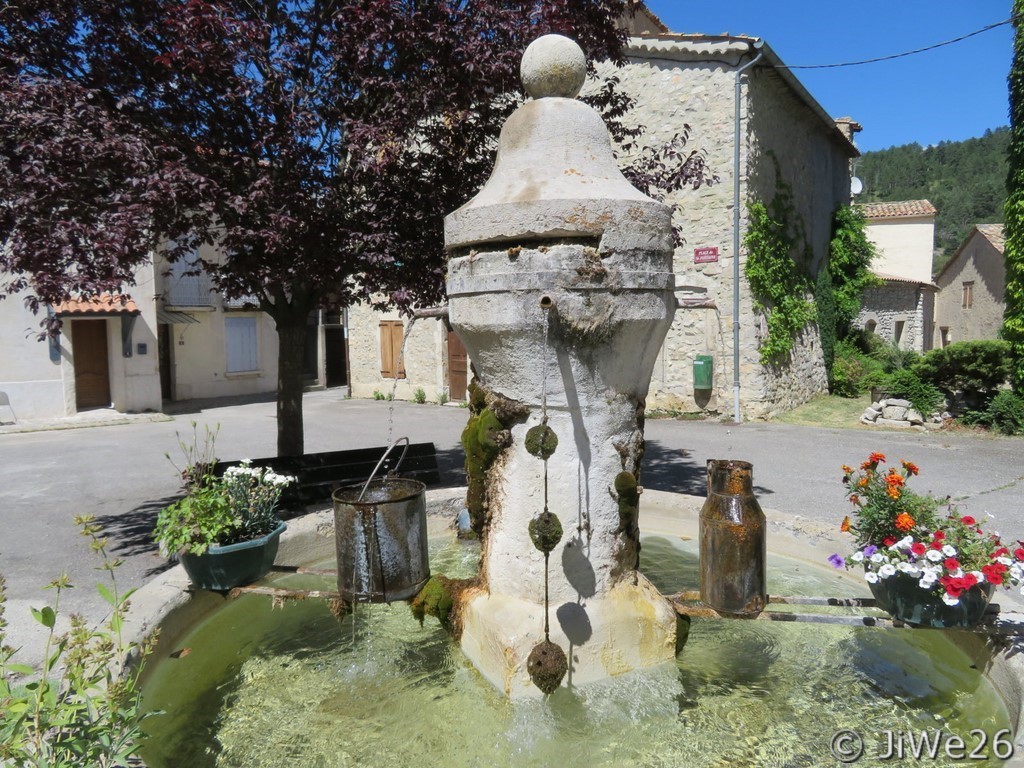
[[897, 333], [943, 337], [391, 332], [241, 343], [968, 301], [188, 290]]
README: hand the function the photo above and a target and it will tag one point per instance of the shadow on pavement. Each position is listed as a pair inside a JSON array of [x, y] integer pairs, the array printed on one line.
[[677, 471], [131, 533]]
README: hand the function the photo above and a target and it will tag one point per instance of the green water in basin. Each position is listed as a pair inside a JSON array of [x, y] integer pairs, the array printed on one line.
[[293, 687]]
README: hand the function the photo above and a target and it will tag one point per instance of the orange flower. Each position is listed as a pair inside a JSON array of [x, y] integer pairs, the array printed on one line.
[[911, 467], [876, 458], [894, 479], [848, 470], [845, 526], [904, 522], [894, 493], [863, 482]]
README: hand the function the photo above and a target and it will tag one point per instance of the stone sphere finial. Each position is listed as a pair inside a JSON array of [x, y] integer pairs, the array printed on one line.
[[553, 65]]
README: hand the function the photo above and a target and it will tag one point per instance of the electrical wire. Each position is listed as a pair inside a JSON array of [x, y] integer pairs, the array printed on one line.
[[905, 53]]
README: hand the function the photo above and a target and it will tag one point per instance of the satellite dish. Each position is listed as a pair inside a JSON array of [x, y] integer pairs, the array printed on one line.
[[856, 186]]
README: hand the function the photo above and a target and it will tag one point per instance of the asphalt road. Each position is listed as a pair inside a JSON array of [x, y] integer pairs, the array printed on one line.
[[121, 475]]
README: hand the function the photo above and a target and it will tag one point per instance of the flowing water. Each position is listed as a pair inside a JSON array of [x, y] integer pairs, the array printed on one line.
[[256, 687]]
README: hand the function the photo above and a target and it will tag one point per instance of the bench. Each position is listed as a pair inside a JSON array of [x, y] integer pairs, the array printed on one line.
[[320, 474]]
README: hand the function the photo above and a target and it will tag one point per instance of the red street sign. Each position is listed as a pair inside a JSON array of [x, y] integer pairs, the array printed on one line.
[[705, 255]]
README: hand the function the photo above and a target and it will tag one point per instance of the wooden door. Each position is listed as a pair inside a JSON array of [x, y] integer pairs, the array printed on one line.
[[92, 369], [457, 367], [163, 336]]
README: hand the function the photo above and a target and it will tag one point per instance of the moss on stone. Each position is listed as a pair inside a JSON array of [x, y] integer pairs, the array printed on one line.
[[482, 440], [435, 599], [541, 441], [547, 665], [629, 500], [546, 531]]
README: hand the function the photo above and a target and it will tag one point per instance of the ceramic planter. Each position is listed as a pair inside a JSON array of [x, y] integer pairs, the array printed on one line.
[[903, 599], [223, 568]]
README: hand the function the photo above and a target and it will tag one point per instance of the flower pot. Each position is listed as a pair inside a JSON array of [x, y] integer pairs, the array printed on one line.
[[901, 597], [222, 568]]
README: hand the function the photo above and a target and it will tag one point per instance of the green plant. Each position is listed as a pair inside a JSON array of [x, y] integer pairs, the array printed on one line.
[[850, 256], [972, 369], [781, 286], [892, 356], [1004, 413], [905, 384], [239, 506], [1013, 211], [378, 395], [419, 396], [442, 396], [898, 531], [83, 707], [854, 372]]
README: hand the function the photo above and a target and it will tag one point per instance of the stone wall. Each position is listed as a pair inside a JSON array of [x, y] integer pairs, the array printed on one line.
[[671, 95], [980, 263], [425, 358], [893, 302]]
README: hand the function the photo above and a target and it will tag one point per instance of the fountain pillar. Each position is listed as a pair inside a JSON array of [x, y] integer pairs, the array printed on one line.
[[560, 286]]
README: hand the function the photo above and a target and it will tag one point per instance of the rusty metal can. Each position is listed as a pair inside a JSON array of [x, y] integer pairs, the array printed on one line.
[[732, 541]]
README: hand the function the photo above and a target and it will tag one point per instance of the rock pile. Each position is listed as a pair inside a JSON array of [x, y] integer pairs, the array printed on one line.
[[895, 412]]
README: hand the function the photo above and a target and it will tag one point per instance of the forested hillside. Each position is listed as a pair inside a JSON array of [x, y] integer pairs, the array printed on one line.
[[964, 180]]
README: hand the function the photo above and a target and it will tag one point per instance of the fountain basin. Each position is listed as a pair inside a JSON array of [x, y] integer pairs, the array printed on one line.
[[167, 603]]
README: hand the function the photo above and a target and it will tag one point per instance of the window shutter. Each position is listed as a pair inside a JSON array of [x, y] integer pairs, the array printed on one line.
[[387, 358], [397, 332]]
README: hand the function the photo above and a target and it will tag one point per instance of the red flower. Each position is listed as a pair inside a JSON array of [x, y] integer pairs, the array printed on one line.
[[910, 467], [1001, 552], [890, 540], [937, 544], [939, 535], [953, 588], [1019, 553], [918, 548], [968, 580], [968, 520], [950, 564], [994, 572]]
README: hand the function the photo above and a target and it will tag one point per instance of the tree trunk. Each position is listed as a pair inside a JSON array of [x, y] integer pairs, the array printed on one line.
[[291, 337]]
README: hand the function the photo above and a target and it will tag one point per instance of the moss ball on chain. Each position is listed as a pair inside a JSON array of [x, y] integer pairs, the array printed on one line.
[[547, 665], [541, 441], [546, 531]]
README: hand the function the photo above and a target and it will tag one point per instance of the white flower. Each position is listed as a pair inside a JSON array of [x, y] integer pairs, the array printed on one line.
[[878, 557], [886, 570], [903, 566], [872, 578], [949, 551], [979, 576], [949, 600], [934, 555], [857, 557], [926, 582], [906, 542], [1004, 561]]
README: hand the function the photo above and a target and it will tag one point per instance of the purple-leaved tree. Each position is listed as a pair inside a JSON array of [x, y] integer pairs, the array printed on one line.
[[317, 143]]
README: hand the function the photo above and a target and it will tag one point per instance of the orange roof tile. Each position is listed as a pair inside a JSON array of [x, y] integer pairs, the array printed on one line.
[[897, 210], [98, 306], [994, 234]]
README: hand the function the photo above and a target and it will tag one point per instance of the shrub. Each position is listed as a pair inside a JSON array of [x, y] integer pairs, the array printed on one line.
[[419, 396], [442, 396], [923, 396], [378, 395], [972, 369], [83, 708], [892, 356], [1004, 414], [853, 372]]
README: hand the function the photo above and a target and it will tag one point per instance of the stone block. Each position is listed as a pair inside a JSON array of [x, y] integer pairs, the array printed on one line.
[[899, 424], [914, 416], [899, 402], [865, 420], [872, 413], [894, 412], [876, 405]]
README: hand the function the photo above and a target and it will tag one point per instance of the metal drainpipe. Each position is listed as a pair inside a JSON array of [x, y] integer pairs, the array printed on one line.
[[756, 46]]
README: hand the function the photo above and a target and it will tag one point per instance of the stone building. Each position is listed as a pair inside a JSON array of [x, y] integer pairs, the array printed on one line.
[[901, 308], [970, 301], [684, 83]]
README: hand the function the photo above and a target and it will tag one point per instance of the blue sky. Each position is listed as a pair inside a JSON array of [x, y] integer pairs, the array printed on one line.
[[953, 93]]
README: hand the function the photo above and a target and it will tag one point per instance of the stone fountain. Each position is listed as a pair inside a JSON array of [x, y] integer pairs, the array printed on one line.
[[560, 286]]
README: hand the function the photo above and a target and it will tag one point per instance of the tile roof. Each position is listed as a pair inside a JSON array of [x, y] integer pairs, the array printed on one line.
[[897, 279], [897, 210], [97, 306], [994, 234]]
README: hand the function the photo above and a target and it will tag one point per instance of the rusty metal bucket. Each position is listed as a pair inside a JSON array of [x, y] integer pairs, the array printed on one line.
[[380, 533]]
